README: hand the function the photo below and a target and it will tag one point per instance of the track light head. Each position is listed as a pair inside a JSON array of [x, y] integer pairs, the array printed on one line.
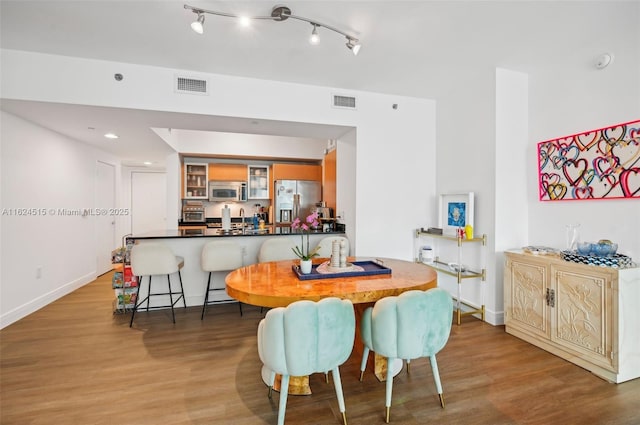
[[354, 45], [315, 38], [198, 24]]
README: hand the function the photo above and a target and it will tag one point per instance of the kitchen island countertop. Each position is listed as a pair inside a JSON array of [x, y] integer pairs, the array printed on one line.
[[217, 232], [189, 243]]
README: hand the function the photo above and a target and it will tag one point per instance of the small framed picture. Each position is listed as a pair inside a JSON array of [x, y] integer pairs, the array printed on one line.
[[456, 211]]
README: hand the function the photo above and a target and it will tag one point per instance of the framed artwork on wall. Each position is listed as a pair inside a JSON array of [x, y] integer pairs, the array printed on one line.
[[597, 164], [456, 211]]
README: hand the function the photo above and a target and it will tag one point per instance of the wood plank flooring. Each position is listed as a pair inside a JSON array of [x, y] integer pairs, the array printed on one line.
[[74, 362]]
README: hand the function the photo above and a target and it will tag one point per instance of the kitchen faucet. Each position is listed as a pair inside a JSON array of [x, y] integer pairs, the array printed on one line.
[[242, 218]]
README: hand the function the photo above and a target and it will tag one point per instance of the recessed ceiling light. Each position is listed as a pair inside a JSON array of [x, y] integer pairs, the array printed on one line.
[[147, 163], [111, 136]]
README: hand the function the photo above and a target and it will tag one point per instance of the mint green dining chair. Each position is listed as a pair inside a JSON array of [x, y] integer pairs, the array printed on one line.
[[307, 337], [411, 325]]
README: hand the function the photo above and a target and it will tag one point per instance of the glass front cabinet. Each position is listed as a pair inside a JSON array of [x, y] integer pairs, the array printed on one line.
[[258, 181], [196, 178]]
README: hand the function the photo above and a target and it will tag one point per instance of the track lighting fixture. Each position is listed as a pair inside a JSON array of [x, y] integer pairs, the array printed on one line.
[[198, 24], [315, 38], [353, 45], [278, 14]]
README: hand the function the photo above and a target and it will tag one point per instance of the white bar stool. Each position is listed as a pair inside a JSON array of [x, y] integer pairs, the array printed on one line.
[[276, 249], [325, 245], [219, 256], [151, 259]]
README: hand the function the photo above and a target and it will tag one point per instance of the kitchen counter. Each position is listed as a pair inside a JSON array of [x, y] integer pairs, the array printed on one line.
[[188, 243], [217, 232]]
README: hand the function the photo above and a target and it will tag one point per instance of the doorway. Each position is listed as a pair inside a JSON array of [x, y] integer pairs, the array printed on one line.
[[148, 201], [105, 199]]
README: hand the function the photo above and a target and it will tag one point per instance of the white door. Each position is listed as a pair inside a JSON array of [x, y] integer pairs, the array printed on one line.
[[148, 202], [105, 200]]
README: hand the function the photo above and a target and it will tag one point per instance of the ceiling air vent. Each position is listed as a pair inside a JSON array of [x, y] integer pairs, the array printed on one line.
[[347, 102], [191, 85]]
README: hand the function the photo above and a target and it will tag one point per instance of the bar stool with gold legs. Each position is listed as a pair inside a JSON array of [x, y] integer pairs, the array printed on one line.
[[152, 259], [219, 256]]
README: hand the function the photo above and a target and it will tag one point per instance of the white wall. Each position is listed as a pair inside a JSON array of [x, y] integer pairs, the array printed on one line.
[[511, 207], [236, 144], [466, 161], [346, 190], [569, 101], [43, 172]]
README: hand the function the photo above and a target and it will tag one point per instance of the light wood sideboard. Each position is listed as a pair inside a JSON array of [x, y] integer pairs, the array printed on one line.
[[585, 314]]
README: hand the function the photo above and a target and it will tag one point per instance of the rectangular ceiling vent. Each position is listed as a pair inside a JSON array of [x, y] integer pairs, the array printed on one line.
[[346, 102], [191, 85]]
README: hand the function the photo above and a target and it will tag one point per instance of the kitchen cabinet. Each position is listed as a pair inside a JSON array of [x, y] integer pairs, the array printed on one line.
[[228, 172], [196, 178], [329, 179], [297, 172], [582, 313], [458, 268], [258, 181]]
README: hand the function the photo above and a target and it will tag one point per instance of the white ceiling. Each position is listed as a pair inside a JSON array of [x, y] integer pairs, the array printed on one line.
[[412, 48]]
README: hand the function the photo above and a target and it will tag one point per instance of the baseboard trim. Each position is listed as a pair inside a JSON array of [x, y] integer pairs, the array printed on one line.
[[36, 304]]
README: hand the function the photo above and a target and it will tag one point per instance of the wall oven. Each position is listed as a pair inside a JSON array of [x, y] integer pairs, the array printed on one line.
[[193, 212], [227, 191]]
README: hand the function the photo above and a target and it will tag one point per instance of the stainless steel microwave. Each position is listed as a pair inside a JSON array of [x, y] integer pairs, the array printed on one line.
[[227, 191]]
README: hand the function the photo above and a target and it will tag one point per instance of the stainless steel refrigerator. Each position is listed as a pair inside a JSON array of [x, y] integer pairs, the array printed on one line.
[[295, 198]]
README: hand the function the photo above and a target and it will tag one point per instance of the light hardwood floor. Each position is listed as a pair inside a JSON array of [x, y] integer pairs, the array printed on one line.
[[74, 362]]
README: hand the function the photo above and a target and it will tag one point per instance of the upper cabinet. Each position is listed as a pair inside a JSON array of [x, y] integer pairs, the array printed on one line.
[[258, 181], [297, 172], [196, 177], [228, 172]]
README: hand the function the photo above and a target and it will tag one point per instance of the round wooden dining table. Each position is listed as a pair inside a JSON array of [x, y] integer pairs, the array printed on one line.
[[276, 284]]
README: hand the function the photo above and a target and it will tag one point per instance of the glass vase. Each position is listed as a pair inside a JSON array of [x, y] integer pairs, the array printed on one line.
[[573, 236]]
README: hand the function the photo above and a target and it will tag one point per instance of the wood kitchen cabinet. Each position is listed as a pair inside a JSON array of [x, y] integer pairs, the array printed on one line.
[[228, 172], [585, 314], [297, 172]]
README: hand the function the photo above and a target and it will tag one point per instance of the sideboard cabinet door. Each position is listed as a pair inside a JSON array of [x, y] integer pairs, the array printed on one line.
[[526, 285], [583, 320]]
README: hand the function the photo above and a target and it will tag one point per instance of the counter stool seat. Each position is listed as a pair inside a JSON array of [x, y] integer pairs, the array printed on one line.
[[277, 249], [219, 256], [326, 245], [153, 259]]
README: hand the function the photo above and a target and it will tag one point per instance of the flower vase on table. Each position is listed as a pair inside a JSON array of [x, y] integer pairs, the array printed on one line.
[[303, 251]]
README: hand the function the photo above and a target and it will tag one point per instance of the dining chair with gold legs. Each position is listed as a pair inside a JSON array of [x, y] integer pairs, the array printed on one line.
[[306, 337], [408, 326]]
